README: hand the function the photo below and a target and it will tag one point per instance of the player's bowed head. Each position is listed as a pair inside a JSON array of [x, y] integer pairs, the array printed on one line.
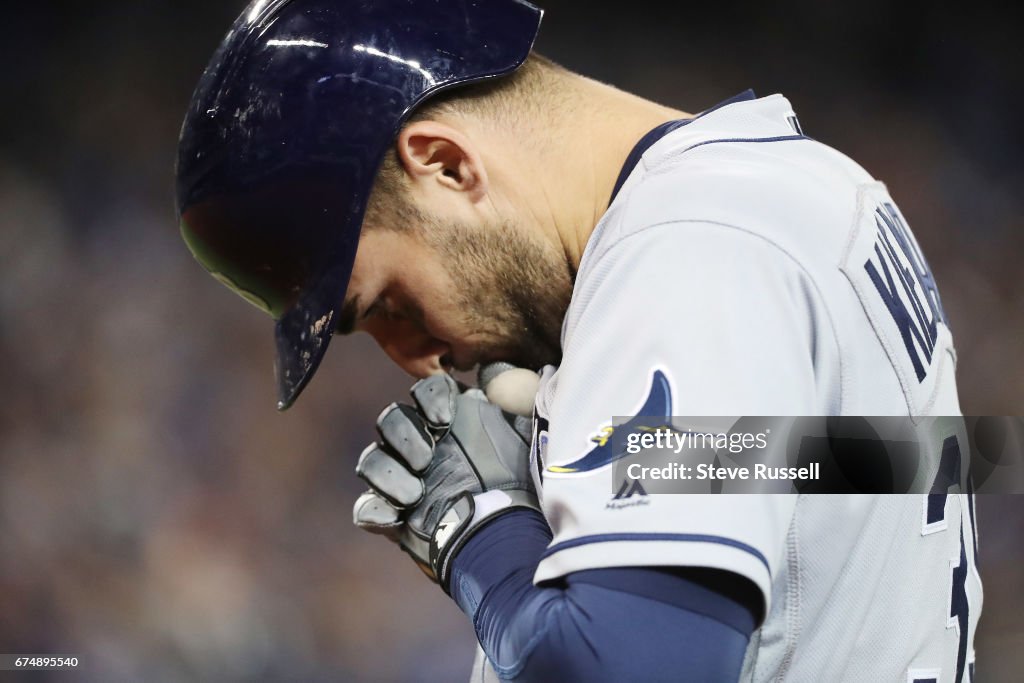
[[439, 197]]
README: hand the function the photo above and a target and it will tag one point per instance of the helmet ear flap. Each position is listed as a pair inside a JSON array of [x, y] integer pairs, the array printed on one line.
[[288, 126]]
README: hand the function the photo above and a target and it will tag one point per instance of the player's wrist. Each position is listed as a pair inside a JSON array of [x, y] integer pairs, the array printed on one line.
[[503, 546], [454, 534]]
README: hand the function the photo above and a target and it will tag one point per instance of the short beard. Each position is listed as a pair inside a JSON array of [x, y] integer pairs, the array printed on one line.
[[513, 289]]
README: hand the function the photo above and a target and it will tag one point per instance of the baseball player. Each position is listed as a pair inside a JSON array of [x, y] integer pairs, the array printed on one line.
[[409, 168]]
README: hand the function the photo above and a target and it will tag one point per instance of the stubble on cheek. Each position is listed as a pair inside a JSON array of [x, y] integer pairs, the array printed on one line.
[[513, 293]]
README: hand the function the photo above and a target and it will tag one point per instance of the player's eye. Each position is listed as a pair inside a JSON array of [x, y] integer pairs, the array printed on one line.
[[373, 310], [382, 310]]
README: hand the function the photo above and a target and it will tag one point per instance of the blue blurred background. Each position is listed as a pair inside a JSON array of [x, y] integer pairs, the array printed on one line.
[[160, 519]]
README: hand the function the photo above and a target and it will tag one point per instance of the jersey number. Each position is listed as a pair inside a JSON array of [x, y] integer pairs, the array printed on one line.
[[935, 520]]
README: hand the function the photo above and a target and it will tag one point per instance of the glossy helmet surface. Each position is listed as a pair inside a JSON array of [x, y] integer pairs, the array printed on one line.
[[288, 126]]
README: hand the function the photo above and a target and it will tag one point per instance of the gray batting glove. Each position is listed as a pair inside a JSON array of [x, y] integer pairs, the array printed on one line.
[[441, 470]]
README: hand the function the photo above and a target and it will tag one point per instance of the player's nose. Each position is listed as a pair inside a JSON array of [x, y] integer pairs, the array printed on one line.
[[416, 352]]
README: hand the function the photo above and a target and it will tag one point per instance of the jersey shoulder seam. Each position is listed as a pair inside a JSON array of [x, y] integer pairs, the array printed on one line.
[[762, 238]]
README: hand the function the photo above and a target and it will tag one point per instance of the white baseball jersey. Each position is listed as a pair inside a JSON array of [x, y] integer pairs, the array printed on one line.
[[764, 273]]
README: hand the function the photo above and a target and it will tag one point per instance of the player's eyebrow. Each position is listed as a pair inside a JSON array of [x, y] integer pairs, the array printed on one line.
[[347, 316]]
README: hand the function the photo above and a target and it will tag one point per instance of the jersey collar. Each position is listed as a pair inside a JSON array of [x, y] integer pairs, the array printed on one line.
[[660, 131]]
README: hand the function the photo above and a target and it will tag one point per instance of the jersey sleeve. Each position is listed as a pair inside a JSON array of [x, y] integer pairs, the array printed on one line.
[[575, 631], [732, 323]]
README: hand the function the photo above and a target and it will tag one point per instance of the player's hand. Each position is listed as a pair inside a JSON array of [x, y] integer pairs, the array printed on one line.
[[441, 470]]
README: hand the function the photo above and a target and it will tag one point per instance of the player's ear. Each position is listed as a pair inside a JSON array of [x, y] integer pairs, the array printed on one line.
[[433, 152]]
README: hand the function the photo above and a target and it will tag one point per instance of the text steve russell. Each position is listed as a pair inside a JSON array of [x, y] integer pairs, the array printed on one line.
[[680, 471]]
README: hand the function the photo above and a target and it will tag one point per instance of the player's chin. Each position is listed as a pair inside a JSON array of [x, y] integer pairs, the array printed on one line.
[[533, 355], [461, 361], [470, 363], [449, 364], [532, 359], [467, 357]]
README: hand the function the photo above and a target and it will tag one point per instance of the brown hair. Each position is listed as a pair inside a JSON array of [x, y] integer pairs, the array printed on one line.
[[517, 100]]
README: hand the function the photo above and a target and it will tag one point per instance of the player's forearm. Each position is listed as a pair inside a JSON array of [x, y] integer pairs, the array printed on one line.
[[601, 625]]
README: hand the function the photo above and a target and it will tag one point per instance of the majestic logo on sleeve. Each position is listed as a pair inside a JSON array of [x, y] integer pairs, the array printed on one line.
[[629, 495], [657, 405]]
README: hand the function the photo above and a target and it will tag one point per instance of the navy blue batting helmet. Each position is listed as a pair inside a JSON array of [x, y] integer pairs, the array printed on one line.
[[288, 126]]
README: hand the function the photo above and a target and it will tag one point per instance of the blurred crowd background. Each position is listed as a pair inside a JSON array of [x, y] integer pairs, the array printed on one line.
[[162, 521]]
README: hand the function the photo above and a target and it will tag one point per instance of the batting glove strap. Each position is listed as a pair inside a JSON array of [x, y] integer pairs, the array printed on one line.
[[467, 515]]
